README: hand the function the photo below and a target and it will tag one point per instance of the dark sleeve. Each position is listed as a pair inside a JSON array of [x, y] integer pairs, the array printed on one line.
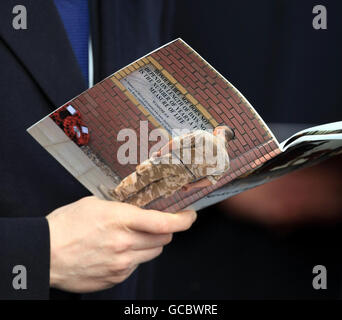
[[24, 242]]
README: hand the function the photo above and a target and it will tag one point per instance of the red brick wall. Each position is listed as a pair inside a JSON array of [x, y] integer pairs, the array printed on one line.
[[106, 110], [215, 94]]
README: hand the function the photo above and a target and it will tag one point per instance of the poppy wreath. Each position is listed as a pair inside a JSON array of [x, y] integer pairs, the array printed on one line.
[[62, 113], [76, 130], [84, 139]]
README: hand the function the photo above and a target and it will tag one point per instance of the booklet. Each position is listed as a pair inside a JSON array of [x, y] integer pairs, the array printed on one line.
[[171, 88]]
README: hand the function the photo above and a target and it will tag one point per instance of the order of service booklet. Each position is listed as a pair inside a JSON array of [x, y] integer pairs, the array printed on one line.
[[170, 88]]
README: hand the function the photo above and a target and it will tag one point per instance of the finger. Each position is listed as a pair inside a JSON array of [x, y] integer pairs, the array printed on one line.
[[142, 256], [123, 275], [126, 272], [158, 222], [143, 240]]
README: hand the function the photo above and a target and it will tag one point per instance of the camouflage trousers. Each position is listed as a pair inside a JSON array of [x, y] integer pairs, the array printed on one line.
[[151, 181]]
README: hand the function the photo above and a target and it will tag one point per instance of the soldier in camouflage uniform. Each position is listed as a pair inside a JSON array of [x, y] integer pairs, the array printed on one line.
[[199, 156]]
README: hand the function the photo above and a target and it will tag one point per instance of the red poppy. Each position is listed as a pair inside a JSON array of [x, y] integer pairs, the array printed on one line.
[[62, 113], [76, 130]]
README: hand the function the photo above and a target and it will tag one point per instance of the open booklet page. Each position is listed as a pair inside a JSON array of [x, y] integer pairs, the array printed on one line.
[[322, 130], [103, 134], [305, 148]]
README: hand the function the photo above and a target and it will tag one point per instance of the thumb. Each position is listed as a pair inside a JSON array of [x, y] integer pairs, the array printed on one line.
[[191, 213]]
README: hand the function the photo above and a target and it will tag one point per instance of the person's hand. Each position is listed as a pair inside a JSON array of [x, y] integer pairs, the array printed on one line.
[[204, 182], [96, 244], [308, 195], [187, 187], [164, 150], [156, 154]]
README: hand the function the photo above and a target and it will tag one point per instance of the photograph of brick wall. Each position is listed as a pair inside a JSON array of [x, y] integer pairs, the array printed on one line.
[[115, 104]]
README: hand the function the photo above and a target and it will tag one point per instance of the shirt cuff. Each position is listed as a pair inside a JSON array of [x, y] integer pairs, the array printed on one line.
[[24, 242]]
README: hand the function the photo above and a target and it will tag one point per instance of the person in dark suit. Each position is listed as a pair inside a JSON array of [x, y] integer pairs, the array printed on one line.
[[268, 49], [84, 244]]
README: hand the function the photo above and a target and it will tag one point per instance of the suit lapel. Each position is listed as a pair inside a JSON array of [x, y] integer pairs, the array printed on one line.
[[43, 49]]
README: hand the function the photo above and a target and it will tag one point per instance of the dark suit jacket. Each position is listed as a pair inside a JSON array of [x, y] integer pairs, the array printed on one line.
[[39, 72]]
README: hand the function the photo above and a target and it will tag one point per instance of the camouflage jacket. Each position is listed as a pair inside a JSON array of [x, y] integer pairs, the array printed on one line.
[[202, 153]]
